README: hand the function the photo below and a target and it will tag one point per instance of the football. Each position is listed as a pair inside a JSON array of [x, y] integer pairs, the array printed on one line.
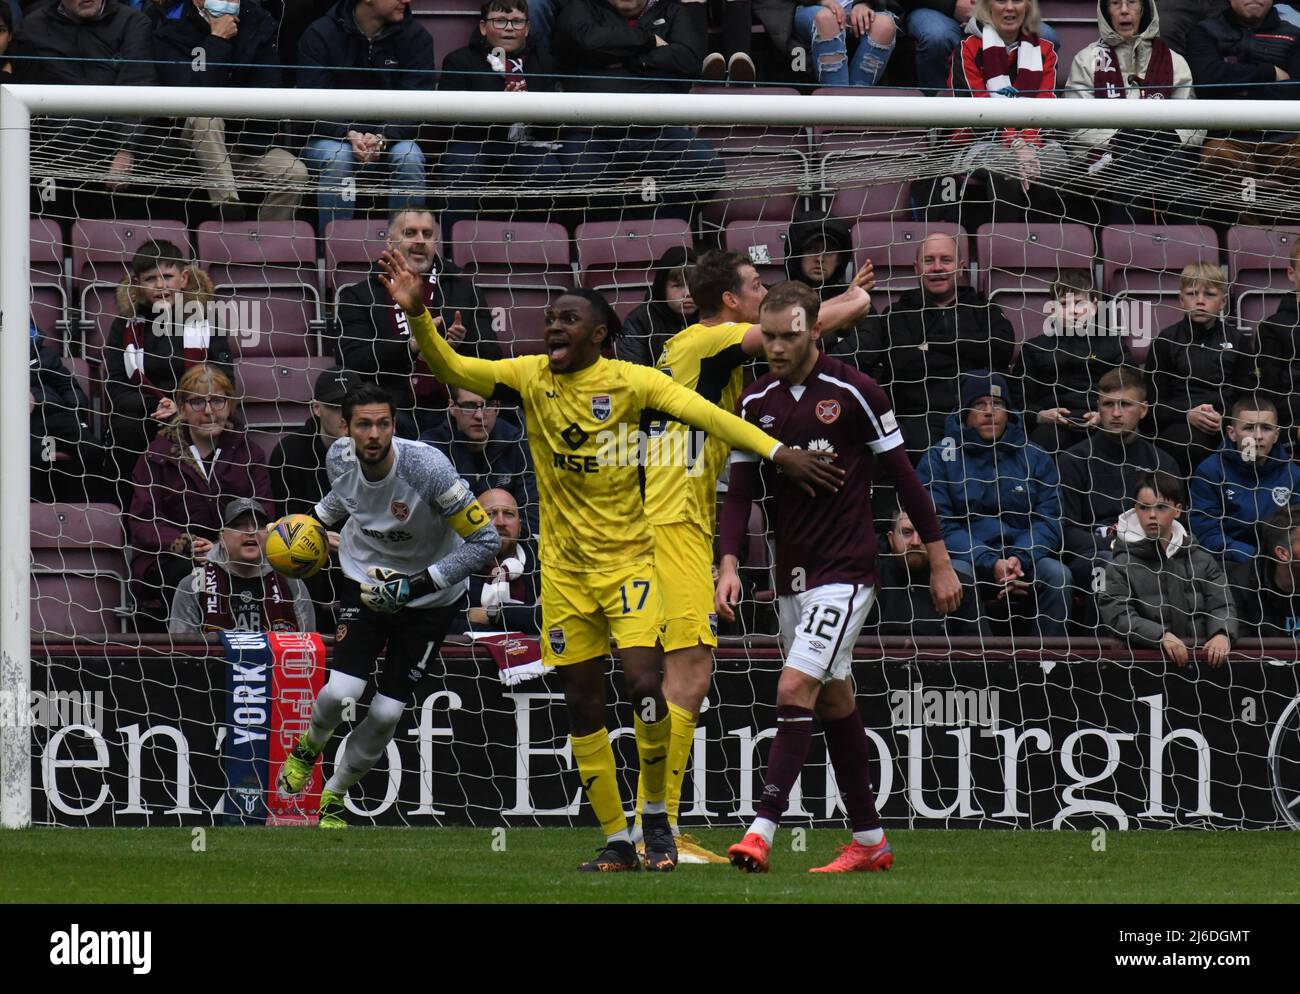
[[297, 546]]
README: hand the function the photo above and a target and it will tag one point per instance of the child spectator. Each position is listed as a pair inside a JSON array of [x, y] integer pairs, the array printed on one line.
[[1060, 369], [158, 335], [1235, 489], [1272, 608], [1198, 368], [1163, 590]]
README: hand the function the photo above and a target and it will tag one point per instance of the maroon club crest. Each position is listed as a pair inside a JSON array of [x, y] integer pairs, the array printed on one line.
[[828, 411], [400, 510]]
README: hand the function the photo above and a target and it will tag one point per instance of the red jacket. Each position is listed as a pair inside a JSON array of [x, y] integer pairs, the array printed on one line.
[[966, 78], [172, 496]]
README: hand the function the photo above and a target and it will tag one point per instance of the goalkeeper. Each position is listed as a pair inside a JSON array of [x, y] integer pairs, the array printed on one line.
[[596, 546], [414, 533]]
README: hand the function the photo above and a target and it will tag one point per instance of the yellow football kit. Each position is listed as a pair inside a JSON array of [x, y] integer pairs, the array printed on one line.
[[681, 493], [596, 546]]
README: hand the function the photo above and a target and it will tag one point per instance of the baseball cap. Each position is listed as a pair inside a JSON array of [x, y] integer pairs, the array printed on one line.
[[335, 384], [240, 506]]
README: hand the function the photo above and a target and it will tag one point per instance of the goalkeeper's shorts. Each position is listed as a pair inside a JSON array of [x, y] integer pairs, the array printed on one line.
[[408, 640], [684, 568], [581, 611]]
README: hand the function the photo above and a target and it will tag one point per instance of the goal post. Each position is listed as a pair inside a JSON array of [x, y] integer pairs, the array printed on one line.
[[21, 105]]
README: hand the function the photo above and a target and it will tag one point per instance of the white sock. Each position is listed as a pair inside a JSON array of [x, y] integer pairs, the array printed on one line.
[[654, 808], [366, 743], [764, 827], [620, 836], [328, 712], [871, 838]]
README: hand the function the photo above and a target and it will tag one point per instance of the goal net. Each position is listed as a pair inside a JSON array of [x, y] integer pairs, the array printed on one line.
[[138, 244]]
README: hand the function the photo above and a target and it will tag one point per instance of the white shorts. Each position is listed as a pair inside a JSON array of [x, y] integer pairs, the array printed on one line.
[[820, 626]]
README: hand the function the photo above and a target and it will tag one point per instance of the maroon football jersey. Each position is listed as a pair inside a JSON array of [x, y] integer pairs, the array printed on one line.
[[830, 538]]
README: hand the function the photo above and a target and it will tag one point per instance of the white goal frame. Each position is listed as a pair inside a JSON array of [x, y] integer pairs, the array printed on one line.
[[18, 104]]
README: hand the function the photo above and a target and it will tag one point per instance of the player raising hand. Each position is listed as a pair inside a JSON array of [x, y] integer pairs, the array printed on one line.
[[596, 548]]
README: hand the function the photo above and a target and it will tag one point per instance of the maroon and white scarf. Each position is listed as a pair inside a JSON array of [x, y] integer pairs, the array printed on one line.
[[423, 384], [278, 614], [197, 338], [1108, 82], [996, 63]]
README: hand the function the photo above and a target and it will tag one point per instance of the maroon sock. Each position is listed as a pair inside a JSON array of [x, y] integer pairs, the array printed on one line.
[[846, 741], [785, 760]]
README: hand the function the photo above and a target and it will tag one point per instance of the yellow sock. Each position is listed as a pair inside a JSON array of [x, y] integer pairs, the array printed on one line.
[[679, 755], [595, 758], [652, 747]]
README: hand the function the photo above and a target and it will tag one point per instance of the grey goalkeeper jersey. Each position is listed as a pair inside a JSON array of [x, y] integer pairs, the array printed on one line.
[[407, 521]]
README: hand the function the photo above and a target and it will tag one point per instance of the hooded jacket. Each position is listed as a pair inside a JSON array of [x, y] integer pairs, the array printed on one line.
[[835, 235], [172, 495], [608, 54], [399, 57], [249, 59], [1150, 591], [647, 329], [163, 356], [1230, 497], [1190, 365], [994, 500], [921, 351], [188, 616], [1279, 358], [1133, 56], [1098, 477]]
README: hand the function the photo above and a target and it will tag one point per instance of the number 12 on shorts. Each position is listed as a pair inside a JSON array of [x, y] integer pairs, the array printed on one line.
[[831, 617], [643, 586]]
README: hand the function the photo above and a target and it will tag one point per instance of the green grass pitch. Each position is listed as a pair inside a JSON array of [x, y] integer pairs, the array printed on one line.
[[537, 865]]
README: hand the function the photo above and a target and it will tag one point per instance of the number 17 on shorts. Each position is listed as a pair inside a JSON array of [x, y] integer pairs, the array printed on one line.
[[820, 626]]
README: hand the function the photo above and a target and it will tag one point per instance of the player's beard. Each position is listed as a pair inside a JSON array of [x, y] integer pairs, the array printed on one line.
[[383, 454]]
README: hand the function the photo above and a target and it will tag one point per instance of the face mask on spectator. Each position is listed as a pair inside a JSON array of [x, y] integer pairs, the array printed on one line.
[[221, 8]]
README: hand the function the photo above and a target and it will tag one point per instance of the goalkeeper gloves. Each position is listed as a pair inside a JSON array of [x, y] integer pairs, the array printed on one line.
[[391, 591]]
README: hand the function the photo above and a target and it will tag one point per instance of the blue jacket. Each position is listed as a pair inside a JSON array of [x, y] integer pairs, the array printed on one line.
[[504, 463], [1231, 496], [335, 55], [994, 500]]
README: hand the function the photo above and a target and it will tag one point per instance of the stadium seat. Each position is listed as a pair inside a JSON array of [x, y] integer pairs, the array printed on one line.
[[765, 243], [266, 272], [866, 201], [49, 286], [1075, 37], [843, 146], [768, 167], [101, 259], [1257, 263], [518, 269], [78, 569], [276, 394], [617, 258], [351, 250], [451, 28], [266, 440], [891, 246], [1017, 263]]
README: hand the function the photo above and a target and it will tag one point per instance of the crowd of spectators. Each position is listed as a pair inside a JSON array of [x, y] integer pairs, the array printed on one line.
[[1076, 486]]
